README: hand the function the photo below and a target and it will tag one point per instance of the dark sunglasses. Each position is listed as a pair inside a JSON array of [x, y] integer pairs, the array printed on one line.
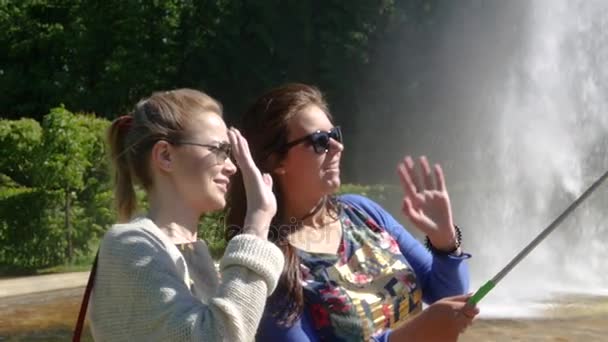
[[222, 151], [319, 140]]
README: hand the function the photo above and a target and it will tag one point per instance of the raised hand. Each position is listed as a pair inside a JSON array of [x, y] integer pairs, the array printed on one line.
[[427, 203], [261, 202]]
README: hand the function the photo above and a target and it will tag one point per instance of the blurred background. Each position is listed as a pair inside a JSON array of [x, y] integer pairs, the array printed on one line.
[[508, 96]]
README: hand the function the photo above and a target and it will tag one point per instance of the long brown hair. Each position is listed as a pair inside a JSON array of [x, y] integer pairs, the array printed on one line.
[[264, 126], [163, 115]]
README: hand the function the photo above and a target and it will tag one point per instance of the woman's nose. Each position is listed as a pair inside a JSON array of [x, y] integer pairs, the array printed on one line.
[[229, 167], [335, 146]]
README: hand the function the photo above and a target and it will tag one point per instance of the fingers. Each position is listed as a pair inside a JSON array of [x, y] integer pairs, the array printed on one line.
[[462, 302], [406, 180], [410, 166], [267, 180], [459, 298], [233, 142], [242, 157], [240, 148], [470, 310], [433, 179], [440, 178], [466, 316], [411, 212], [237, 148], [449, 314], [426, 173], [463, 323]]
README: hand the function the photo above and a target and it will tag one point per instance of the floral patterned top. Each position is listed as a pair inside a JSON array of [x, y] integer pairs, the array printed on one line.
[[365, 288], [342, 300]]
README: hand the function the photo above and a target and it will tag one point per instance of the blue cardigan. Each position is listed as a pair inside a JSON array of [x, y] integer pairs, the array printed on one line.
[[439, 275]]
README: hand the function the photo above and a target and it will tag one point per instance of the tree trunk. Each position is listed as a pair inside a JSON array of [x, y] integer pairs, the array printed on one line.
[[68, 227]]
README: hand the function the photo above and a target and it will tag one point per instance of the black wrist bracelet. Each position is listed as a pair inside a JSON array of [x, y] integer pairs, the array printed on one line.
[[430, 247]]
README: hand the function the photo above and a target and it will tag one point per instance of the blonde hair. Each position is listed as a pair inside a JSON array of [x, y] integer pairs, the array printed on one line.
[[162, 116]]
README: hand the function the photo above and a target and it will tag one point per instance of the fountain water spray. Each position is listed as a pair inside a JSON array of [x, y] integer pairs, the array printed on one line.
[[489, 285]]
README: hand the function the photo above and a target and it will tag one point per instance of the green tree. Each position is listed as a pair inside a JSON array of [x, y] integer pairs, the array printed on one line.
[[28, 229], [236, 49], [55, 196], [94, 56], [34, 69], [96, 197], [64, 159], [101, 56], [19, 143], [124, 51]]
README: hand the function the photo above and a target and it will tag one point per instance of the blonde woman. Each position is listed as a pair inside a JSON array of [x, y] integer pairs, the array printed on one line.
[[155, 280]]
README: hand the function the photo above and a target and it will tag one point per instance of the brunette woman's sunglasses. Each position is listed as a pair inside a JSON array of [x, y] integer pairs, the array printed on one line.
[[319, 140]]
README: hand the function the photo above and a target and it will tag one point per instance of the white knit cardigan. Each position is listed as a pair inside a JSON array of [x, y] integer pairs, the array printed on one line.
[[145, 291]]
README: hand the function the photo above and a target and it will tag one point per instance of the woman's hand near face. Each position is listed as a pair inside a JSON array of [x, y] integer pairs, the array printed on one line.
[[427, 203], [261, 202], [442, 321]]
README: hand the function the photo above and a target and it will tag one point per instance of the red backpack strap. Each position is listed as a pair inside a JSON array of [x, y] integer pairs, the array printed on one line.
[[85, 302]]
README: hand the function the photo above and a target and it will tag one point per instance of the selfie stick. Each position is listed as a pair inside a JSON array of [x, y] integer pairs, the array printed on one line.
[[489, 285]]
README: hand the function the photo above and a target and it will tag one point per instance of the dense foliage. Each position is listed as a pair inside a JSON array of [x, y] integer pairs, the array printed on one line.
[[55, 192], [55, 196], [60, 57], [101, 56]]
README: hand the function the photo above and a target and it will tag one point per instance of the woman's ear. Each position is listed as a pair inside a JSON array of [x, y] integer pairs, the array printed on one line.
[[162, 155]]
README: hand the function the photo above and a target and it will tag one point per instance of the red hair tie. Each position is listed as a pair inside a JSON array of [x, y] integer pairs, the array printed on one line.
[[124, 122]]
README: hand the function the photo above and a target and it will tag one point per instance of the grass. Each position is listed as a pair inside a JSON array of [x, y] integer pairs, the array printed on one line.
[[81, 263], [66, 268]]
